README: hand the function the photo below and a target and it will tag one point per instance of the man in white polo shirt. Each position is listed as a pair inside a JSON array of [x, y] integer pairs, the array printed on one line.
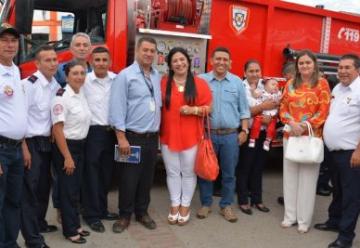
[[342, 137]]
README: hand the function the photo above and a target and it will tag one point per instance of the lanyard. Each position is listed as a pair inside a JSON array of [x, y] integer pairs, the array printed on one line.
[[148, 83]]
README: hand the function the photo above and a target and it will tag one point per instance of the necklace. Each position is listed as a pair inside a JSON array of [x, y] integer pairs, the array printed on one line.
[[180, 85]]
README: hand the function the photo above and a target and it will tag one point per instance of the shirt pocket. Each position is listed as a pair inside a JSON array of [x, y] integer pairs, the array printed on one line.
[[353, 106], [75, 110], [230, 95]]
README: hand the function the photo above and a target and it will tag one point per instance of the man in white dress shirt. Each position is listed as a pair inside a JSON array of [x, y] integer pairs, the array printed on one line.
[[342, 137], [40, 89], [100, 142]]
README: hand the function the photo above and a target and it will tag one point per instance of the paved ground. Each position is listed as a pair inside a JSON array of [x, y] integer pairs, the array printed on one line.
[[261, 230]]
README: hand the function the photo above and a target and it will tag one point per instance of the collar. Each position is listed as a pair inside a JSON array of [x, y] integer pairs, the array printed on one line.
[[138, 68], [93, 77], [70, 90], [227, 76], [43, 80], [5, 72], [259, 85], [355, 85]]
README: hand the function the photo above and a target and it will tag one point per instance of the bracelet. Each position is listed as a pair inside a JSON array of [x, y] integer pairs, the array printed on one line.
[[196, 110]]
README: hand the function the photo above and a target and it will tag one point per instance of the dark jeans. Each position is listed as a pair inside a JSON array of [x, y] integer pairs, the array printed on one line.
[[136, 179], [98, 171], [250, 171], [37, 181], [70, 186], [227, 151], [11, 184], [344, 209]]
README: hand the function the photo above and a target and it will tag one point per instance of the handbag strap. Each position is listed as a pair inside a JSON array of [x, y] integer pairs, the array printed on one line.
[[310, 130]]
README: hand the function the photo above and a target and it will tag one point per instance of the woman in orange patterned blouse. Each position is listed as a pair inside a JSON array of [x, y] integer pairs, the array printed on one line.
[[306, 98]]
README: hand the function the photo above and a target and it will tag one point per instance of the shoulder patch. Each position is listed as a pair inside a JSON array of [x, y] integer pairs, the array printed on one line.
[[60, 92], [32, 78]]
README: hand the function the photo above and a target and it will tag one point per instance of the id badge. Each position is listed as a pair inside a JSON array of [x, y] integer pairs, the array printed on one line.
[[152, 105]]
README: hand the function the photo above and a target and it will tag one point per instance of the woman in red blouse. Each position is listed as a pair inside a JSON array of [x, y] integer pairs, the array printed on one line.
[[306, 99], [185, 99]]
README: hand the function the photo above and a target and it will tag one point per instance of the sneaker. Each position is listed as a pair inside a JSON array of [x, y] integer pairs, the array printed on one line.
[[228, 214], [266, 145], [252, 143], [203, 212]]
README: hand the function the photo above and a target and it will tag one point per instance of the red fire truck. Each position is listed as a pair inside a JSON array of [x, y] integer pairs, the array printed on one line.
[[267, 30]]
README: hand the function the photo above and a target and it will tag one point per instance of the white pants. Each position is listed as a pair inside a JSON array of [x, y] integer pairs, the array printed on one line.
[[299, 191], [180, 176]]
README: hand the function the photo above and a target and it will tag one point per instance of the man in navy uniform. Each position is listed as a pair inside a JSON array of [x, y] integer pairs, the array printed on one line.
[[40, 88], [12, 132], [342, 137]]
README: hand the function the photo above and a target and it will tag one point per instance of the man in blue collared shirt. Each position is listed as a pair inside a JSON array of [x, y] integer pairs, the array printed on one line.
[[135, 103], [230, 110]]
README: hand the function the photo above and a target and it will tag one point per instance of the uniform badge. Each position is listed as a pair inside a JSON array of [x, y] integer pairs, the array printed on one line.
[[32, 79], [58, 109], [8, 90]]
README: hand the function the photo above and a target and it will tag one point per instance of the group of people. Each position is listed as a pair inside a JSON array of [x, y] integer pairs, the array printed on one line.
[[62, 123]]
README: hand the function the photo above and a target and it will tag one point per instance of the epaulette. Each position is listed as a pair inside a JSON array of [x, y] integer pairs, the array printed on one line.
[[32, 78], [60, 92]]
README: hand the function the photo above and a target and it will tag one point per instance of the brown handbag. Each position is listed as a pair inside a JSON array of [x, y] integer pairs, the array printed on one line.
[[206, 163]]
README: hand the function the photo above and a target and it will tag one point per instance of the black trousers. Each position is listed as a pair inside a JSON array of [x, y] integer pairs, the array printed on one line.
[[36, 190], [344, 209], [70, 186], [98, 171], [136, 179], [250, 171]]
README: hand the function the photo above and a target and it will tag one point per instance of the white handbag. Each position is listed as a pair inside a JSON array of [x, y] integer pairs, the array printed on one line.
[[305, 149]]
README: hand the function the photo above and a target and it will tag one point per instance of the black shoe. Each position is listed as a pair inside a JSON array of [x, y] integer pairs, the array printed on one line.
[[44, 246], [49, 229], [79, 240], [325, 227], [261, 207], [110, 216], [323, 192], [339, 244], [120, 225], [146, 221], [247, 211], [97, 227], [280, 200], [84, 233]]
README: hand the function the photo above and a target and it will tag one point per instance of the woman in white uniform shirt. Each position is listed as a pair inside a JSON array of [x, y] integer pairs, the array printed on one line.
[[71, 120]]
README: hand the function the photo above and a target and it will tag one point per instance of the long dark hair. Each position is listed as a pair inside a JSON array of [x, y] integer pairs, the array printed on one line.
[[314, 77], [190, 89]]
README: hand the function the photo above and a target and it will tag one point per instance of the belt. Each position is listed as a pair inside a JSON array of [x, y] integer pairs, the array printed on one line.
[[143, 135], [104, 127], [223, 131], [11, 142]]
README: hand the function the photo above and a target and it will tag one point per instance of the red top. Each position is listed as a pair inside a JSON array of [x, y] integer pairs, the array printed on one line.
[[180, 132]]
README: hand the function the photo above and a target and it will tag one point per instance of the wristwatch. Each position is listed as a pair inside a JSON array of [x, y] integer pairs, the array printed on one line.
[[246, 130]]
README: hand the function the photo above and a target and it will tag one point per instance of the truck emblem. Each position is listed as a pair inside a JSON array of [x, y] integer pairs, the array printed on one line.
[[239, 18]]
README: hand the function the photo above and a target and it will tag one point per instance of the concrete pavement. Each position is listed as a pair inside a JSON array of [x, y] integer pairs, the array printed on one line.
[[261, 230]]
